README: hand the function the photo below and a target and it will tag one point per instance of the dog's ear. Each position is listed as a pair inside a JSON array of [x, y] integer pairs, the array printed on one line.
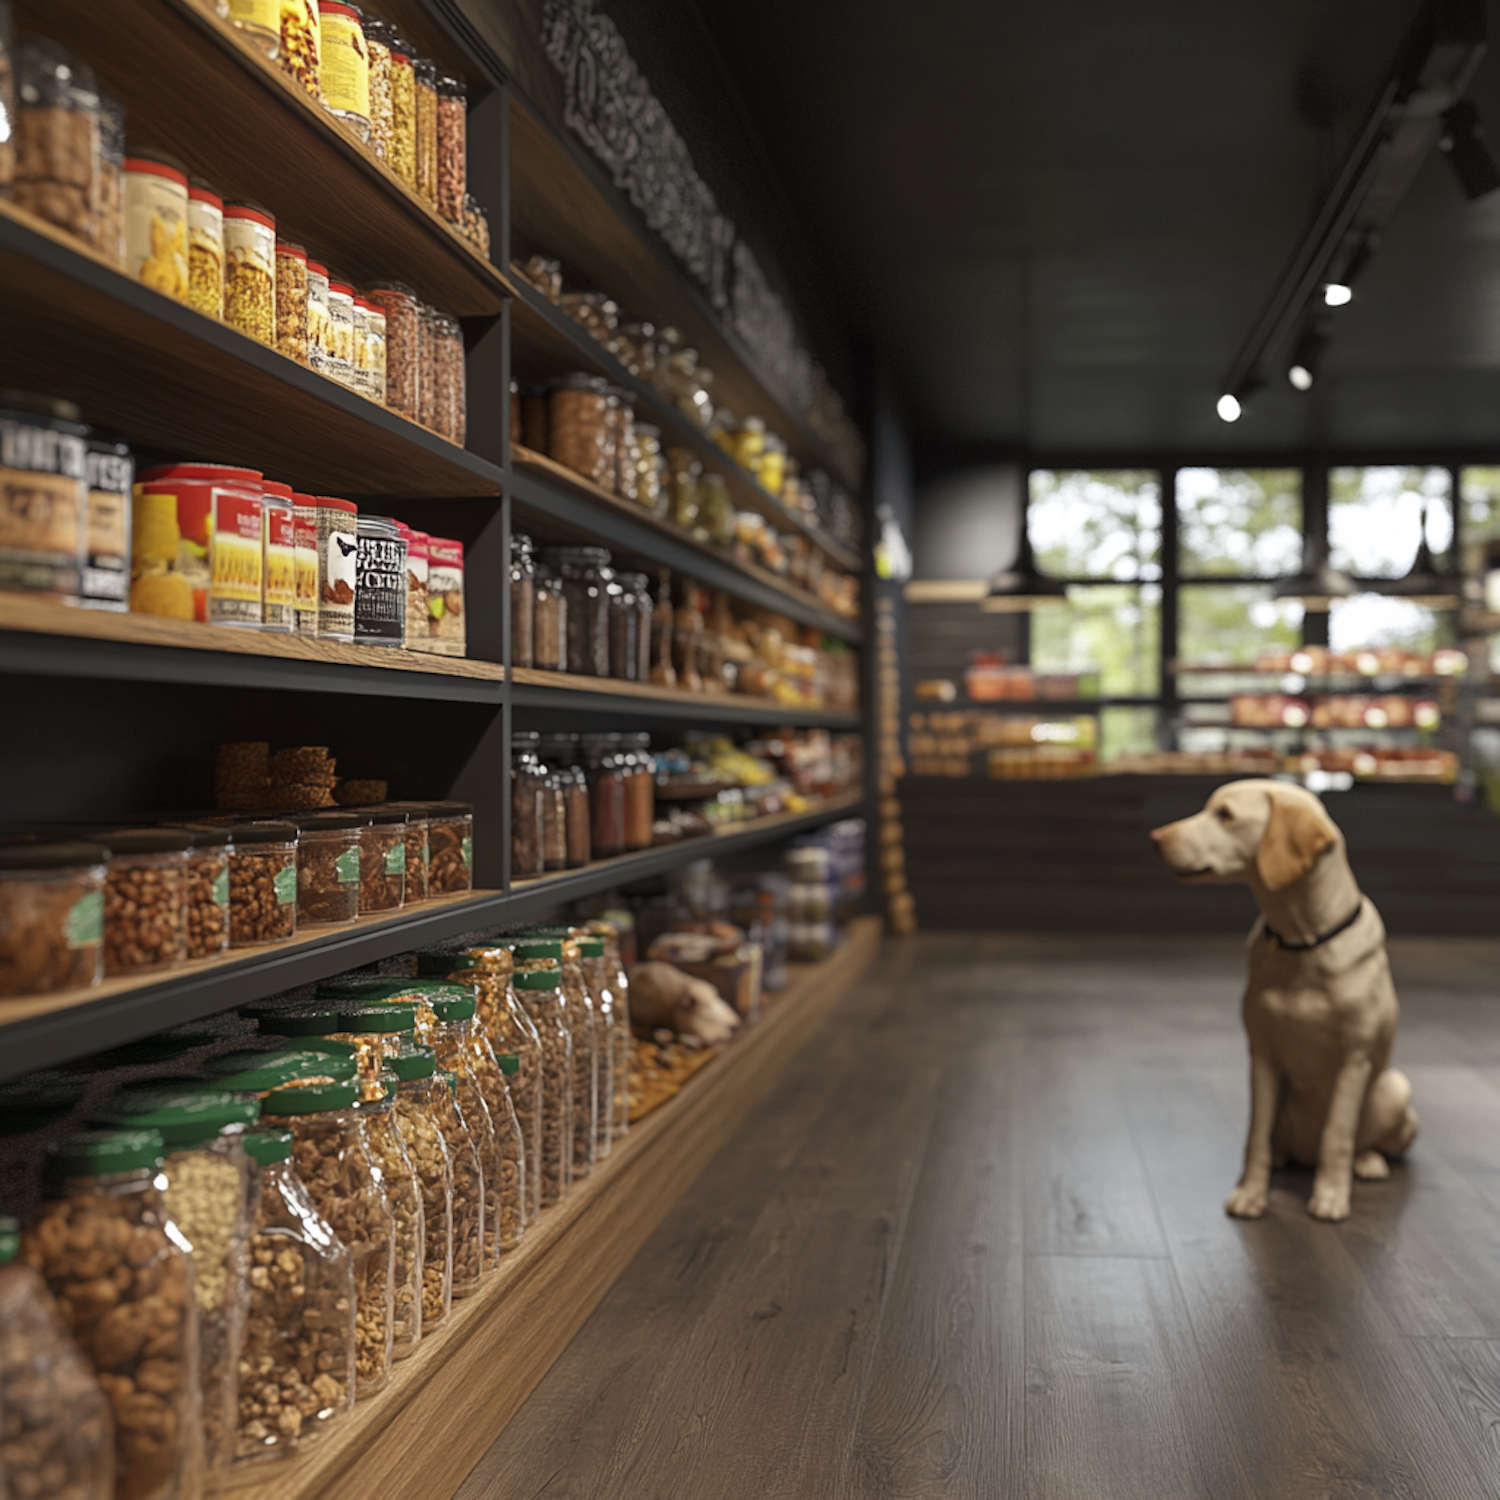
[[1298, 832]]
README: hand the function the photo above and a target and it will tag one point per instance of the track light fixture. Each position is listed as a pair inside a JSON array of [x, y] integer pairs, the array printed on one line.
[[1338, 293], [1307, 357], [1229, 408], [1463, 144]]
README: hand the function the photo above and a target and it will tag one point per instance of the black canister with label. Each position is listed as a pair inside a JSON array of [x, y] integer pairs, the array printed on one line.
[[109, 471], [42, 505], [380, 588]]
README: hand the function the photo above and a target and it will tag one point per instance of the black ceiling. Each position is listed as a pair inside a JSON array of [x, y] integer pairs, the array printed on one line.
[[1058, 221]]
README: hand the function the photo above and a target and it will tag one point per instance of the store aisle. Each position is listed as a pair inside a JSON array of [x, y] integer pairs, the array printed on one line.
[[973, 1245]]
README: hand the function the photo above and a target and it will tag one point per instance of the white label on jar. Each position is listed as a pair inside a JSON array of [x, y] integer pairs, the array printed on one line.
[[341, 568]]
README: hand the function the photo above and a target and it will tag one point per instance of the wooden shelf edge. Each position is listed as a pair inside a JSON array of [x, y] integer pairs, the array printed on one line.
[[725, 706], [452, 1399]]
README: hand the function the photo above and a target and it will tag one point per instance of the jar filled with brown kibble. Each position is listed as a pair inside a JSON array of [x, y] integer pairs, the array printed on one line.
[[208, 1176], [378, 39], [450, 847], [57, 1423], [207, 915], [416, 848], [427, 375], [332, 1160], [550, 606], [262, 883], [528, 805], [382, 860], [426, 138], [450, 412], [57, 138], [51, 917], [297, 1359], [377, 1032], [398, 1179], [452, 1190], [539, 991], [403, 346], [590, 1031], [522, 601], [105, 1245], [291, 301], [578, 427], [452, 148], [327, 868], [145, 899]]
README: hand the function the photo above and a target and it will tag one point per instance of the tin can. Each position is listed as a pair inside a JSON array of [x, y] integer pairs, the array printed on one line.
[[43, 457], [279, 597], [344, 65], [340, 350], [416, 585], [250, 271], [380, 597], [319, 351], [156, 224], [109, 472], [445, 598], [305, 540], [205, 249], [260, 20], [338, 566]]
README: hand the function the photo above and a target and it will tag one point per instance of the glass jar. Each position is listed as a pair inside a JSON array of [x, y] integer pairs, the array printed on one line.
[[420, 1096], [427, 381], [403, 351], [522, 601], [398, 1179], [475, 225], [262, 883], [748, 443], [450, 413], [300, 34], [640, 587], [554, 818], [402, 154], [57, 138], [540, 994], [373, 327], [450, 848], [51, 917], [344, 65], [278, 568], [528, 806], [109, 217], [608, 971], [105, 1223], [416, 849], [426, 133], [715, 522], [623, 627], [619, 417], [380, 587], [550, 631], [452, 148], [379, 1032], [250, 270], [564, 758], [291, 301], [206, 920], [57, 1419], [331, 1157], [378, 37], [208, 1183], [578, 1010], [646, 454], [382, 861], [578, 426], [606, 797], [327, 868], [145, 899], [297, 1358], [319, 328], [589, 957], [685, 471], [205, 218], [340, 361], [586, 576], [771, 470], [640, 792]]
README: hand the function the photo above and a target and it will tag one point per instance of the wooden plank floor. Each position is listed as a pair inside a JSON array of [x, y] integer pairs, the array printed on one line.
[[973, 1245]]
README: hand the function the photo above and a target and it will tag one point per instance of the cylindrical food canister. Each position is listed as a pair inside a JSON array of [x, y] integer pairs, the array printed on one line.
[[156, 223], [416, 584], [205, 249], [109, 473], [305, 539], [452, 148], [260, 20], [402, 154], [291, 301], [403, 345], [378, 37], [344, 65], [445, 597], [319, 335], [109, 221], [43, 503], [380, 595], [338, 566], [250, 271], [280, 606], [426, 129], [298, 53], [372, 337], [341, 333]]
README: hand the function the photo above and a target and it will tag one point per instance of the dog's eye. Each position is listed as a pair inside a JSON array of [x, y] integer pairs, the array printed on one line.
[[1224, 815]]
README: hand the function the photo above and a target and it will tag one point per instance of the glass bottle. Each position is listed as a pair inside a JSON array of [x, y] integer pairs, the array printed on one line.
[[376, 1108], [452, 1220], [578, 1009], [612, 973], [538, 989]]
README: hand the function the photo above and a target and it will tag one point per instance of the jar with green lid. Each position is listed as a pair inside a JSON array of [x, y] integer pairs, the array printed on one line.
[[448, 1173], [256, 1074], [327, 868], [593, 1072], [378, 1032], [613, 973], [297, 1359], [208, 1184], [539, 991], [614, 1038], [53, 1412], [403, 1192], [298, 1022], [51, 916], [105, 1225]]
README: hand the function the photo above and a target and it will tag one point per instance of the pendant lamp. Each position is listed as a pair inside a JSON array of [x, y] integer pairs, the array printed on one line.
[[1422, 582], [1020, 587], [1317, 583]]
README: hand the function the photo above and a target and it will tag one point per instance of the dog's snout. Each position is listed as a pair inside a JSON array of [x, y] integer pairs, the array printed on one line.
[[1157, 835]]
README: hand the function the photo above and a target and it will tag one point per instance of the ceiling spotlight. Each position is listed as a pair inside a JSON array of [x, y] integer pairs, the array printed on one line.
[[1463, 144], [1308, 355], [1301, 377], [1337, 294], [1229, 408]]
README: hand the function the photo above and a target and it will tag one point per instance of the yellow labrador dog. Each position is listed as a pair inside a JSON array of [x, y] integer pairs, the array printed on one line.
[[1320, 1008]]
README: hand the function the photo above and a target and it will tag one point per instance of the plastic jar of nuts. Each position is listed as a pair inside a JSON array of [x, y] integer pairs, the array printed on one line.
[[369, 323], [450, 847], [377, 1032], [378, 38], [256, 1074], [331, 1158], [593, 1081], [205, 212], [145, 899], [614, 1037], [208, 1177], [291, 301], [207, 916], [105, 1246], [56, 133], [611, 972], [539, 990], [51, 917], [551, 621], [452, 148], [449, 414], [578, 422], [402, 152], [416, 848], [297, 1359], [382, 860], [327, 868], [522, 603], [528, 792], [403, 345], [57, 1422], [426, 129], [420, 1096], [339, 357], [262, 883], [250, 270]]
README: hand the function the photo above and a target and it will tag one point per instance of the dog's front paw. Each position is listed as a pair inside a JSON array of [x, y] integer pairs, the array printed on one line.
[[1246, 1202], [1330, 1201]]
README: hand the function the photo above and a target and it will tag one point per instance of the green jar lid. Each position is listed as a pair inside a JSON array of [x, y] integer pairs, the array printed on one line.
[[533, 948], [279, 1018], [260, 1072], [268, 1146], [343, 987], [410, 1066], [448, 1008], [537, 979], [590, 947], [97, 1153], [184, 1115], [509, 1062], [10, 1239], [298, 1098], [379, 1018]]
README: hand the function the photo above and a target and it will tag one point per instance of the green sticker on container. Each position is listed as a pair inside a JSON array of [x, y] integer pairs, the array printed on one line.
[[347, 866], [86, 921], [468, 853], [286, 884], [395, 859], [221, 887], [426, 854]]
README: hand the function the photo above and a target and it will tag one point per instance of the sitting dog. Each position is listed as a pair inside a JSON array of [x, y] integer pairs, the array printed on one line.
[[1320, 1008]]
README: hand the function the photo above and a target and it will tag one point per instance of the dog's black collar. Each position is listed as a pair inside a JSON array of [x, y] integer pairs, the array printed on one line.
[[1323, 937]]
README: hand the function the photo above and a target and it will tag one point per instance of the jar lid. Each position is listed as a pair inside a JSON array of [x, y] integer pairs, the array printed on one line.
[[537, 979], [448, 1000], [509, 1063], [302, 1020], [317, 268], [306, 1097], [327, 822], [201, 192], [97, 1153], [63, 856], [23, 403], [124, 842], [537, 947], [379, 1018], [590, 947], [383, 816], [184, 1115], [421, 1062], [230, 473], [10, 1239], [152, 165], [341, 287], [297, 252], [453, 1008], [247, 835], [267, 1147], [255, 213], [276, 489], [452, 88], [260, 1072], [329, 502]]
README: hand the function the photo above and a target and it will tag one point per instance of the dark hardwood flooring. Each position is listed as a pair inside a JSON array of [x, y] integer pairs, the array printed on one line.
[[973, 1245]]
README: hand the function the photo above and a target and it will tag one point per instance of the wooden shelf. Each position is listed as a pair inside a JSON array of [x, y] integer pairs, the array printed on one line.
[[451, 1399], [549, 342], [246, 126], [650, 537], [172, 380]]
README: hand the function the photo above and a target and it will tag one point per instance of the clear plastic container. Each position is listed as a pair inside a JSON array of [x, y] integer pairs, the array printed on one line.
[[297, 1359], [452, 148], [528, 796], [208, 1182], [327, 868], [586, 576], [450, 411], [640, 790], [291, 301], [426, 129], [424, 1101], [555, 818], [207, 916], [612, 972], [378, 1032], [550, 640], [403, 1192], [250, 270], [320, 350], [331, 1157], [109, 216], [624, 628], [585, 1011], [403, 346], [606, 776], [379, 36], [51, 917], [341, 333], [57, 138], [416, 848], [578, 424], [105, 1223], [539, 991], [578, 1014], [56, 1418], [450, 847], [402, 154], [260, 20], [300, 35], [613, 1011], [369, 322], [344, 65], [382, 861], [262, 883], [205, 249], [145, 899], [522, 601]]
